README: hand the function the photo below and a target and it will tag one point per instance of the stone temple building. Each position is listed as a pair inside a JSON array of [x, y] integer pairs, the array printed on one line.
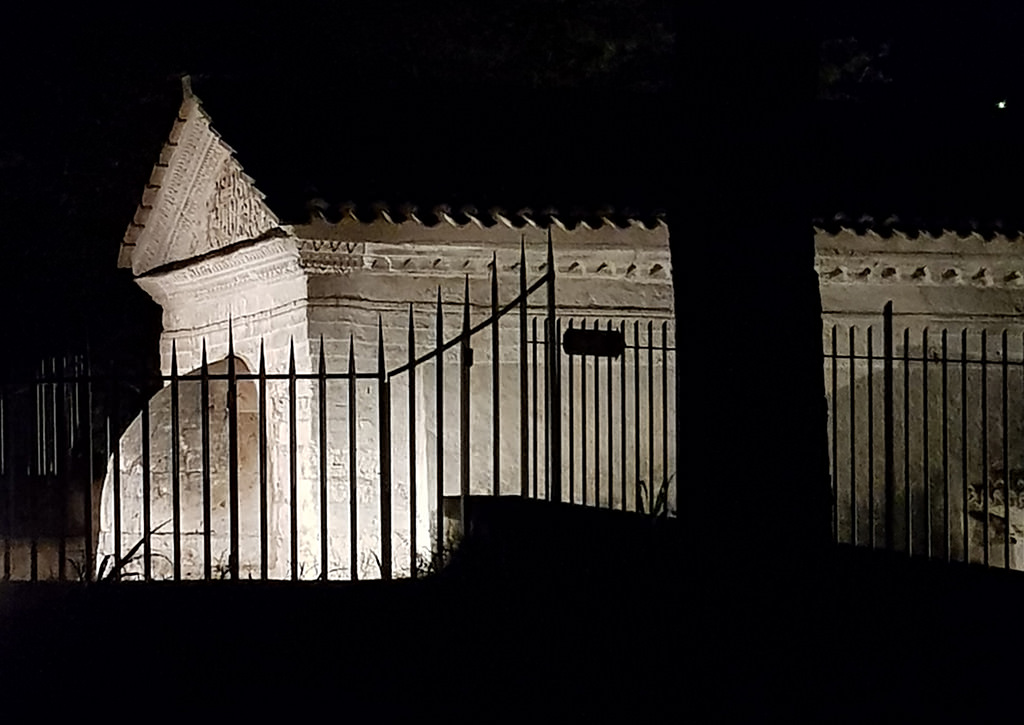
[[251, 289]]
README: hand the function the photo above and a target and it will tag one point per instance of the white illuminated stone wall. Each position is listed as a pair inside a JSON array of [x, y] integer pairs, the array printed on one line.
[[935, 283], [317, 285]]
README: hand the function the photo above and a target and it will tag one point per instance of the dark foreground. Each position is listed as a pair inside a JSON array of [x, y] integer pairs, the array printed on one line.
[[511, 630], [504, 631]]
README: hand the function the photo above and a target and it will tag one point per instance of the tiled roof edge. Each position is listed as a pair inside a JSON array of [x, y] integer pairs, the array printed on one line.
[[918, 227], [381, 212]]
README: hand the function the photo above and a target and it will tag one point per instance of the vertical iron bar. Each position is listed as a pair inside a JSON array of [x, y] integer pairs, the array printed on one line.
[[536, 413], [8, 481], [44, 435], [524, 423], [664, 407], [439, 405], [115, 572], [945, 440], [322, 428], [984, 436], [925, 461], [77, 390], [91, 442], [465, 360], [204, 403], [233, 452], [33, 517], [835, 435], [175, 464], [963, 446], [40, 424], [547, 414], [63, 447], [583, 422], [42, 445], [597, 428], [572, 423], [871, 438], [495, 401], [554, 387], [412, 445], [636, 415], [114, 445], [45, 376], [907, 492], [262, 424], [853, 436], [611, 427], [556, 446], [654, 487], [44, 438], [1006, 458], [53, 417], [624, 417], [353, 473], [384, 411], [33, 507], [293, 473], [147, 548], [888, 429]]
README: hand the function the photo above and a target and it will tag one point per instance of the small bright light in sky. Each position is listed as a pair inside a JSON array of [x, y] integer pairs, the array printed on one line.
[[1001, 104]]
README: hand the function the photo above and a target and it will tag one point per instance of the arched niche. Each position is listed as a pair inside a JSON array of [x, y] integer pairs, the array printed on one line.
[[199, 463]]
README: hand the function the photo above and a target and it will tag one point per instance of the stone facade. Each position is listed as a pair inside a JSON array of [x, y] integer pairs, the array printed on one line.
[[208, 250]]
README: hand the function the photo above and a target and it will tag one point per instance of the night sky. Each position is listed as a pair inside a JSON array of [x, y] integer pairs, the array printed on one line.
[[563, 104], [398, 102]]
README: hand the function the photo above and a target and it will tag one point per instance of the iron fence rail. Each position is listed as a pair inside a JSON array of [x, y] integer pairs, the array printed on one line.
[[601, 468], [951, 426]]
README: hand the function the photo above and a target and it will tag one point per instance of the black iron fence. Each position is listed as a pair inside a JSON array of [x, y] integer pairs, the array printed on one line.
[[926, 436], [228, 472]]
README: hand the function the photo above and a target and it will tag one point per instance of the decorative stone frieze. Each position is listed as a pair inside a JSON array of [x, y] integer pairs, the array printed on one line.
[[197, 200]]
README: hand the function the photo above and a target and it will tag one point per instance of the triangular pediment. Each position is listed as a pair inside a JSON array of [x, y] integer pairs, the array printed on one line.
[[197, 200]]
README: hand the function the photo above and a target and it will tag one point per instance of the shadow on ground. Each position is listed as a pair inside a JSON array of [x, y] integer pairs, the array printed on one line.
[[546, 609]]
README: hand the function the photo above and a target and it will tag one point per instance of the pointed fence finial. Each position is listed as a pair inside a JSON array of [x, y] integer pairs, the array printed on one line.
[[380, 346], [439, 319], [174, 357], [412, 335], [322, 363], [351, 354], [291, 356], [465, 306], [494, 279], [263, 364], [204, 353], [231, 337]]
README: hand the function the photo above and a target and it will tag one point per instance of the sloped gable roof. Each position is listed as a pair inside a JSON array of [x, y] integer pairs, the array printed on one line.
[[198, 198]]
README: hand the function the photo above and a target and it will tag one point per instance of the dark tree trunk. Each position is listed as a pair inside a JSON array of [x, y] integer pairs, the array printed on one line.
[[744, 261]]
